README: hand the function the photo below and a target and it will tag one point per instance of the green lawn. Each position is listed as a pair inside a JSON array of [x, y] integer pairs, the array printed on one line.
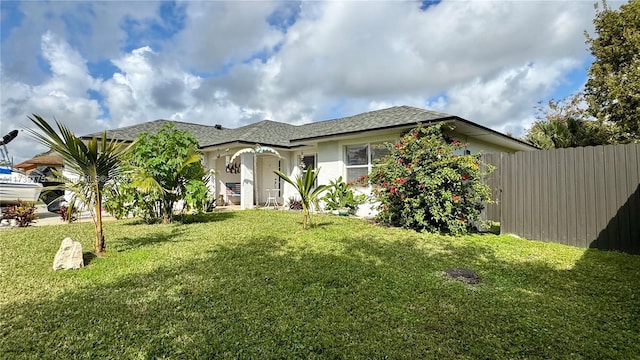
[[252, 284]]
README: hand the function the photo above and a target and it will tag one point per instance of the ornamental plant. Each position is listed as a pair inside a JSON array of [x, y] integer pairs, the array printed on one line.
[[24, 213], [340, 195], [423, 185], [304, 185]]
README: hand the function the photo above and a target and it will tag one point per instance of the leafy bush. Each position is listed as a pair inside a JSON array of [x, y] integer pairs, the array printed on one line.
[[24, 213], [162, 169], [423, 185], [68, 214], [340, 196], [119, 199], [294, 204], [196, 195]]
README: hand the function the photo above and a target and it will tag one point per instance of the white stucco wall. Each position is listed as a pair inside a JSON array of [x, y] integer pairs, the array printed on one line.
[[329, 162], [331, 154], [330, 159]]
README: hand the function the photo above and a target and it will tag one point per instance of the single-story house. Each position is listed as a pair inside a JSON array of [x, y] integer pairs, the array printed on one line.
[[343, 147]]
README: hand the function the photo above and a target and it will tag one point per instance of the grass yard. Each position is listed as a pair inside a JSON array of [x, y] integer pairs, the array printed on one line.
[[252, 284]]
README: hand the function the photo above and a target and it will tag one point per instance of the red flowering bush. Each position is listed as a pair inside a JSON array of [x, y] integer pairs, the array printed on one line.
[[422, 185]]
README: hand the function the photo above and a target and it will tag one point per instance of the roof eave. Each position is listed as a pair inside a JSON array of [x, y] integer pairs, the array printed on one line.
[[519, 144], [248, 143]]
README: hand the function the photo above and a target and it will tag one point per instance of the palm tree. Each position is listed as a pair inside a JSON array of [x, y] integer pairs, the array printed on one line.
[[303, 183], [95, 162]]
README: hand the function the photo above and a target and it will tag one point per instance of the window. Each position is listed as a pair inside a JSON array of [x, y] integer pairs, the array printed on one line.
[[309, 161], [361, 158]]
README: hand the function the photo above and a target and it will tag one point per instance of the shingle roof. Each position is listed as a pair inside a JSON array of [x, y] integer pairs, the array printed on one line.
[[374, 120], [130, 133], [265, 132], [273, 133]]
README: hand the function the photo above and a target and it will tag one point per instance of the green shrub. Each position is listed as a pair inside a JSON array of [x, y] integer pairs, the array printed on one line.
[[196, 195], [340, 196], [161, 170], [423, 185], [119, 199], [67, 214], [24, 213], [308, 192]]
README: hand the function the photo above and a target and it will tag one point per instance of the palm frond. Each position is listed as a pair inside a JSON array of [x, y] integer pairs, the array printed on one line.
[[93, 163]]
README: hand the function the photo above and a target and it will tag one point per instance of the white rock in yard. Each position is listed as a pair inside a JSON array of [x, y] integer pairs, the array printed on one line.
[[69, 255]]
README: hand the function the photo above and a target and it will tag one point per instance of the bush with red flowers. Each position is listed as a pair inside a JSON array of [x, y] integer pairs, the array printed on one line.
[[423, 185]]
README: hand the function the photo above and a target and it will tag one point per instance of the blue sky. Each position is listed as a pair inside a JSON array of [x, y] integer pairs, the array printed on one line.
[[96, 65]]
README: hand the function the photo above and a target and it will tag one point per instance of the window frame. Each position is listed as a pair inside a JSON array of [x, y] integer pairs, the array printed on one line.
[[370, 158]]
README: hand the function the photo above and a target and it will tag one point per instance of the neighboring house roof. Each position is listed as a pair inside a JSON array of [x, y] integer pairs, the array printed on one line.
[[44, 160], [273, 133]]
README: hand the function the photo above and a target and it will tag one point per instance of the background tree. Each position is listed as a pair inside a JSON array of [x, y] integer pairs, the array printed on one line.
[[424, 185], [163, 169], [95, 162], [565, 123], [613, 87]]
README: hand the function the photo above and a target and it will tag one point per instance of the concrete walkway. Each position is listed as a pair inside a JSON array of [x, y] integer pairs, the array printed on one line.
[[48, 218]]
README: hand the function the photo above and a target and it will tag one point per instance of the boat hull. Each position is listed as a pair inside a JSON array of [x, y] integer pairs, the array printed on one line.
[[11, 193]]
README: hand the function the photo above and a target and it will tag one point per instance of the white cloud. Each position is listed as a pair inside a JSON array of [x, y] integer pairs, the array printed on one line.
[[94, 29], [221, 32], [487, 61], [505, 102], [386, 49], [62, 96]]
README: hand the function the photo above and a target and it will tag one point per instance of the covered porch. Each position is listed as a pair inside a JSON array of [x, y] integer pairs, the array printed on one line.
[[247, 179]]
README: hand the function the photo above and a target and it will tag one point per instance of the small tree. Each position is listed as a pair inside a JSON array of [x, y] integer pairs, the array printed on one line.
[[96, 162], [423, 185], [309, 194], [163, 169]]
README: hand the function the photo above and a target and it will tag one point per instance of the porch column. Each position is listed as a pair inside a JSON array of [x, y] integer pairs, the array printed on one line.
[[246, 181], [211, 184]]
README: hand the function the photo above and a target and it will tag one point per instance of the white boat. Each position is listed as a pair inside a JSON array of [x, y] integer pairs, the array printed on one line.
[[15, 186]]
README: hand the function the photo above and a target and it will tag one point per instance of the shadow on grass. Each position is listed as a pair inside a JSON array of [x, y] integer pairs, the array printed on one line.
[[188, 218], [205, 217], [129, 243], [318, 225], [87, 257], [357, 297]]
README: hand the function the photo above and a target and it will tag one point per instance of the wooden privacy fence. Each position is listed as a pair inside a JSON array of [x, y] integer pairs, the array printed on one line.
[[587, 197]]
